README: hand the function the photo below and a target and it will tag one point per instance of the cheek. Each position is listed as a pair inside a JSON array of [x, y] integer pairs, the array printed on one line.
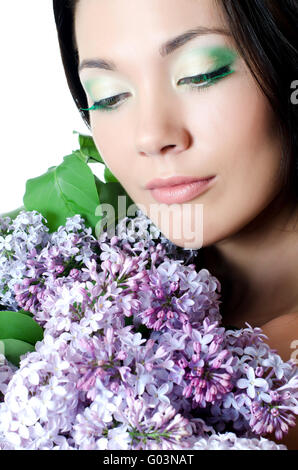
[[236, 132], [234, 121], [237, 139]]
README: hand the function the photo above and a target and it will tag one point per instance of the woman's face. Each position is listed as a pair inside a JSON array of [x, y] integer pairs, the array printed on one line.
[[161, 125]]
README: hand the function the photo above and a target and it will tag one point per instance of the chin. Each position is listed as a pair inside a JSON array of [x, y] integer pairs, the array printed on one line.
[[192, 243], [183, 226]]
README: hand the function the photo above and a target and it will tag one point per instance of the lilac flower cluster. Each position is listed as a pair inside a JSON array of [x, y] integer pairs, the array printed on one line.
[[133, 355], [17, 238]]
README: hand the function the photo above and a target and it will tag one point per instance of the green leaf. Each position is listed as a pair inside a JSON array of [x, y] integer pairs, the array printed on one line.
[[88, 148], [26, 313], [109, 193], [85, 158], [80, 155], [14, 349], [109, 177], [19, 326], [64, 191]]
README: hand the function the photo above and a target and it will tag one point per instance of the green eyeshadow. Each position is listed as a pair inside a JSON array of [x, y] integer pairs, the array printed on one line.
[[221, 55], [204, 59]]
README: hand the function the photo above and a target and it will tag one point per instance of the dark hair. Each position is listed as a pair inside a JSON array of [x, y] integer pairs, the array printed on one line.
[[265, 32]]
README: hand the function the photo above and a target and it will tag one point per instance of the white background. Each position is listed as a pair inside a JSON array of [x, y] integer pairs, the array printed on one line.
[[38, 114]]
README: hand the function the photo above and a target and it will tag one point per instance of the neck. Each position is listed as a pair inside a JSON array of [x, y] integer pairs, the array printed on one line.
[[258, 268]]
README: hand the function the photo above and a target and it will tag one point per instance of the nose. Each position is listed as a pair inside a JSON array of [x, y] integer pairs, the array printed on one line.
[[160, 129]]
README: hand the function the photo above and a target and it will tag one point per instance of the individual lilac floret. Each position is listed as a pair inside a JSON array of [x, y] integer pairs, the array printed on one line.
[[251, 384]]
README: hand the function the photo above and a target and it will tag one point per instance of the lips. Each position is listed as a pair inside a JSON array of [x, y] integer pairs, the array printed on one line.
[[179, 193], [174, 181]]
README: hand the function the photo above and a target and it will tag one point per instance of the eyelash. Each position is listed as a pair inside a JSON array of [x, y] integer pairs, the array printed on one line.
[[208, 78]]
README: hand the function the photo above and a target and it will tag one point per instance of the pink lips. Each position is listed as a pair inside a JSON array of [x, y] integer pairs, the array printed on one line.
[[178, 189]]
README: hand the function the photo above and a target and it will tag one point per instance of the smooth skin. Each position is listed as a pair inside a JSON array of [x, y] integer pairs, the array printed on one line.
[[228, 130]]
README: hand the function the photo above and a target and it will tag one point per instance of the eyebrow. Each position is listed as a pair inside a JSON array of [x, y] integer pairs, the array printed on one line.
[[165, 49]]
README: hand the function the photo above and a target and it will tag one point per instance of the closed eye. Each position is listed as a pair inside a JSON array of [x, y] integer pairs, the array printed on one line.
[[206, 78], [195, 82], [106, 104]]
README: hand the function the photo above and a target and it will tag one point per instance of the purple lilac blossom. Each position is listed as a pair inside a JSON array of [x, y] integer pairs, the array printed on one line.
[[134, 355]]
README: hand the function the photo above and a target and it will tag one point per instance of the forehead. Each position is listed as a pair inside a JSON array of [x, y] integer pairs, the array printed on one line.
[[120, 29]]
